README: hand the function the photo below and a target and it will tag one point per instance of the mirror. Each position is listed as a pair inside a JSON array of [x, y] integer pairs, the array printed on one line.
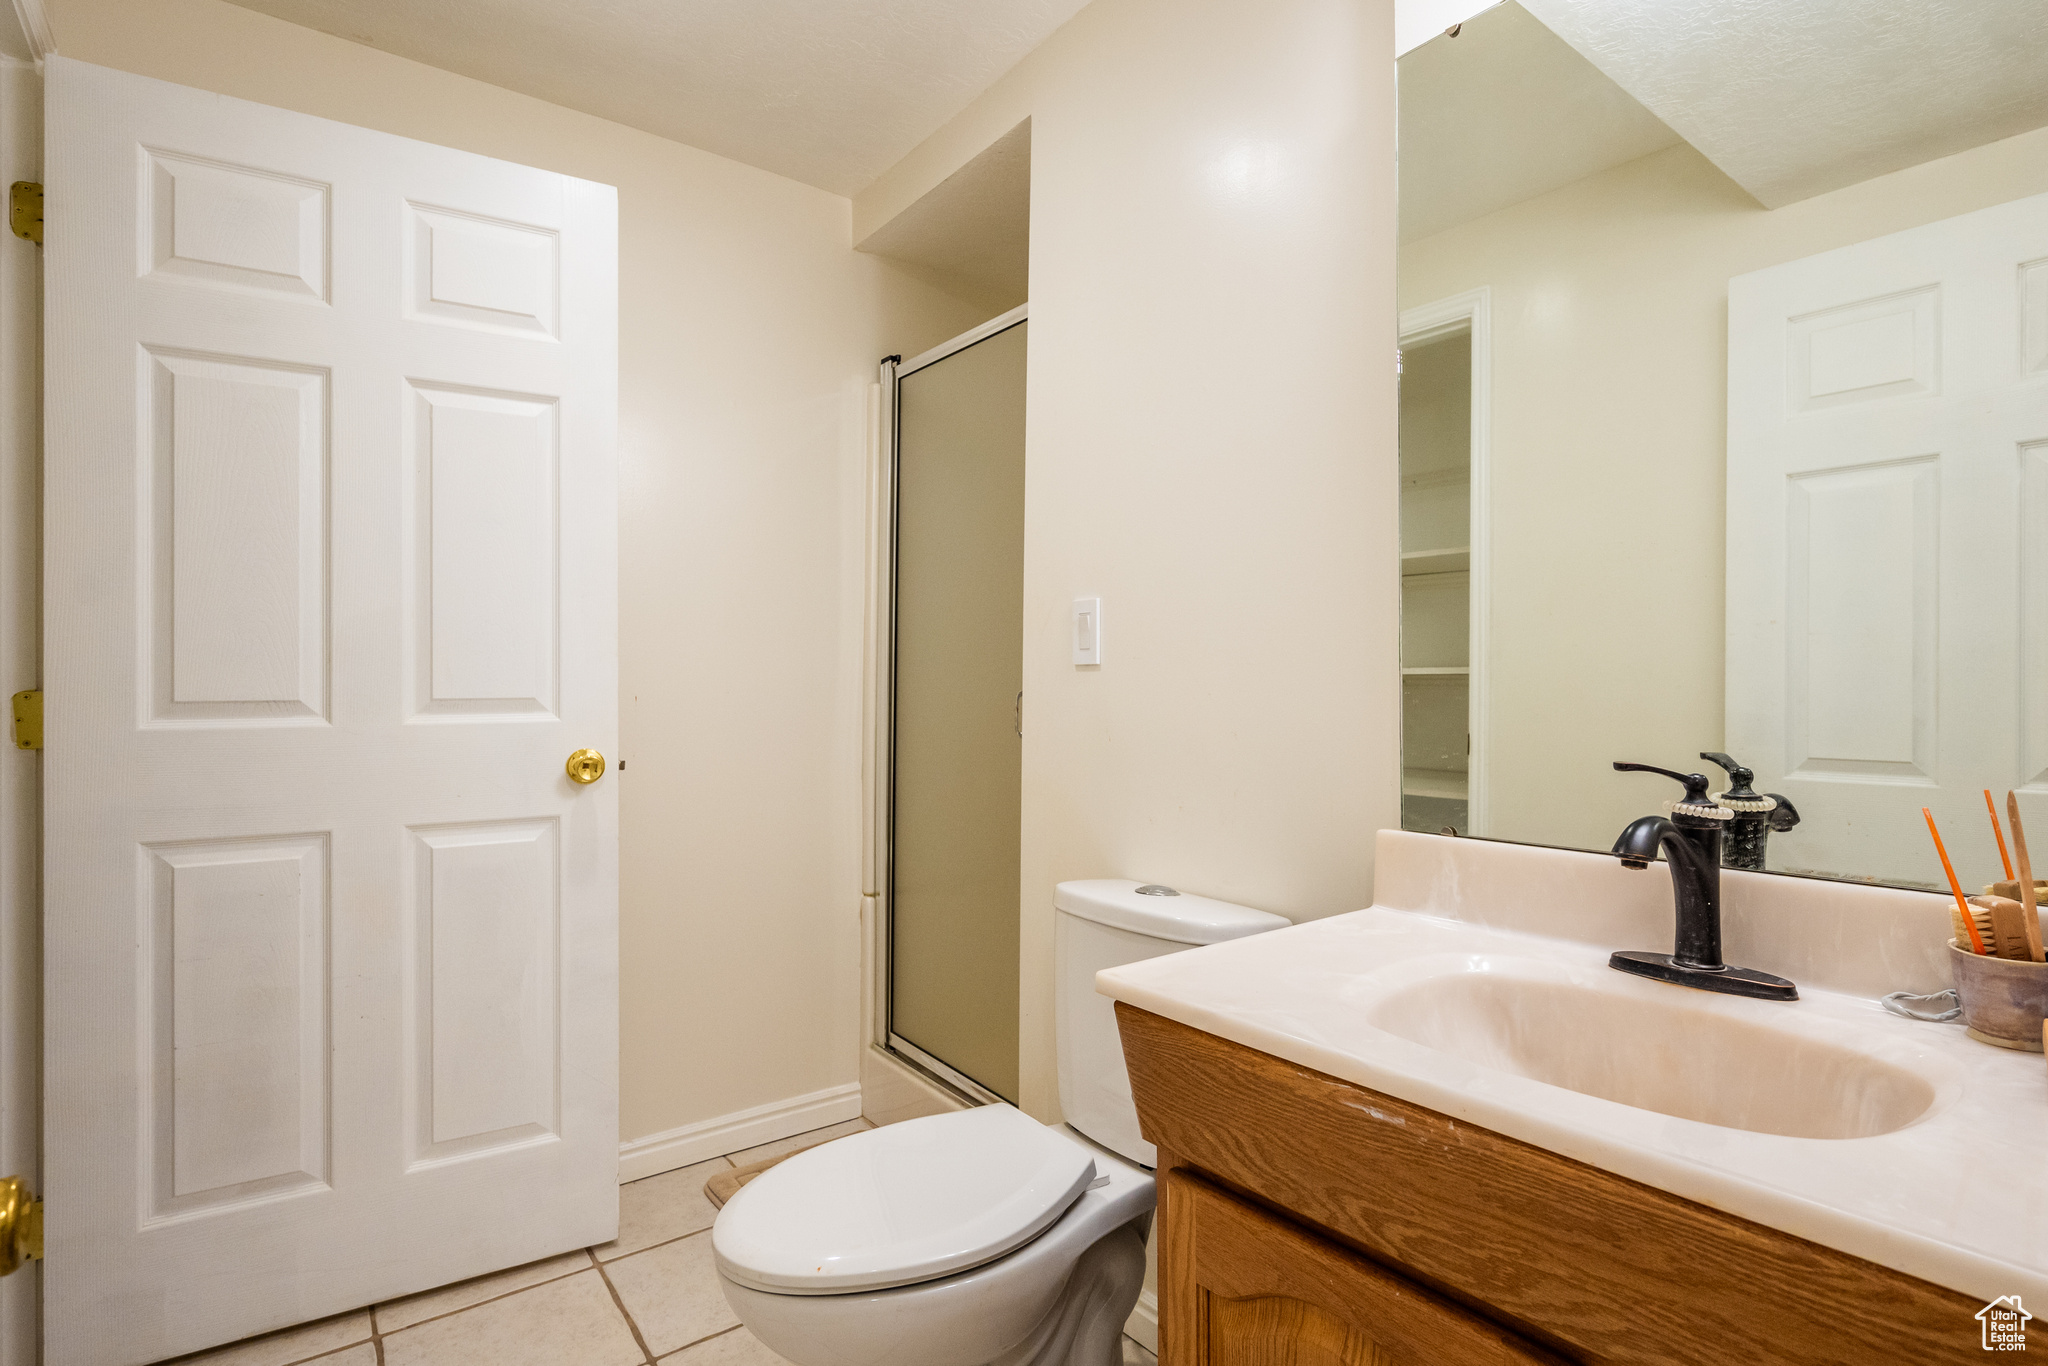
[[1724, 422]]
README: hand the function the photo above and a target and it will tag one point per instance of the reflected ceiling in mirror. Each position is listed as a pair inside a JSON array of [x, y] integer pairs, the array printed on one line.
[[1725, 420]]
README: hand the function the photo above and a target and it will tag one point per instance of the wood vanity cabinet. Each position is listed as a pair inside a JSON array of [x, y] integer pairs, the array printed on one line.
[[1253, 1289], [1308, 1221]]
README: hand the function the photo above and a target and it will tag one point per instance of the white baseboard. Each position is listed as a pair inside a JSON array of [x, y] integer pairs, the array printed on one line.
[[1142, 1326], [709, 1138]]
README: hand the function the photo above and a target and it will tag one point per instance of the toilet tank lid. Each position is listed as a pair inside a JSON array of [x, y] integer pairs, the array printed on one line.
[[1183, 919]]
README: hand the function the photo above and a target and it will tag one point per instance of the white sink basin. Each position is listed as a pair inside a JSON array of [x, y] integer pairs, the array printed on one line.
[[1660, 1050], [1479, 989]]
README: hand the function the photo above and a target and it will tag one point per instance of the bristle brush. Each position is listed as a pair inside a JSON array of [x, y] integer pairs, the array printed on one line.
[[1980, 920]]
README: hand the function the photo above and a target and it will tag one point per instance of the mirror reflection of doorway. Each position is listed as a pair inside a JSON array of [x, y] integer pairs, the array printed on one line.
[[956, 730], [1887, 477], [1436, 581]]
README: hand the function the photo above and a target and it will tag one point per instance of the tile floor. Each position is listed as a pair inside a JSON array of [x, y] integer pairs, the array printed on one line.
[[649, 1295]]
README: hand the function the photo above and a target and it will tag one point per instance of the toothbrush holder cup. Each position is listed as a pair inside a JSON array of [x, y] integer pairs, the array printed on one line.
[[2004, 999]]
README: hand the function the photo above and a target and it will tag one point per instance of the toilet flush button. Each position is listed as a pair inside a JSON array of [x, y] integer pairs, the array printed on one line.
[[1088, 630]]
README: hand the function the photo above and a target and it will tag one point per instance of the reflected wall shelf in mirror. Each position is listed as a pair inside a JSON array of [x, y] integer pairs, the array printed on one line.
[[1434, 783], [1454, 560], [1437, 536]]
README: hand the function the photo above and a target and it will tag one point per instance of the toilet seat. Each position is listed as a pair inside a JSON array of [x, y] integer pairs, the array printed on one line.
[[900, 1205]]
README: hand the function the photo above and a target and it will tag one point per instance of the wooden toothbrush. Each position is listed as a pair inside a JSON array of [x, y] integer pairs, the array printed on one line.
[[2032, 920]]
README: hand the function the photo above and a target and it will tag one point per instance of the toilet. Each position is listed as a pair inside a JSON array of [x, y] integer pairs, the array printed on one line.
[[980, 1237]]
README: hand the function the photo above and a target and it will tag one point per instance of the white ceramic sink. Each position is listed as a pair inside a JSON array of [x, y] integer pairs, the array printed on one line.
[[1478, 988], [1656, 1051]]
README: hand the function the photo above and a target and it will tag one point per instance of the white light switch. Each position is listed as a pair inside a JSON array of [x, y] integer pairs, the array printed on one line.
[[1087, 630]]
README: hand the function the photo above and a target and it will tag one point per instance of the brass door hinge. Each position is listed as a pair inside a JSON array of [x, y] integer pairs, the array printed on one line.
[[21, 1225], [25, 210], [28, 719]]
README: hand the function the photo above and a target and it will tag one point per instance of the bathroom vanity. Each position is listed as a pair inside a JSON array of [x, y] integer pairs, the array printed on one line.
[[1442, 1130]]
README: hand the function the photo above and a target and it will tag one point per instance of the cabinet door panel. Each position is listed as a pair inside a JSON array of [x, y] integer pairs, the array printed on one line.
[[1244, 1287], [1276, 1331]]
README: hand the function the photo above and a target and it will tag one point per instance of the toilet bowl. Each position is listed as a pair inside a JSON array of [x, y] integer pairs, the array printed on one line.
[[980, 1237], [1011, 1277]]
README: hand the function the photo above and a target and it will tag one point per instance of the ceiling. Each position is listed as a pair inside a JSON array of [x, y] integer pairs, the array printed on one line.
[[1503, 112], [828, 92], [1793, 98], [1790, 98]]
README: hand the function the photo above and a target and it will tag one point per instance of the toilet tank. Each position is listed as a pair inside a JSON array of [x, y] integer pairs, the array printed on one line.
[[1105, 923]]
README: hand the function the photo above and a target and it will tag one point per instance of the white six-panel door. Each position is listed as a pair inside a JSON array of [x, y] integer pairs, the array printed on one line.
[[1888, 537], [331, 936]]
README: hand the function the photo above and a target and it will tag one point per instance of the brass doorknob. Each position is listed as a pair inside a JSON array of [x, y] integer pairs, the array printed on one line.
[[21, 1225], [585, 766]]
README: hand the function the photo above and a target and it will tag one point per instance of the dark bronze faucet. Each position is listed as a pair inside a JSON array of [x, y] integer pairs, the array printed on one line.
[[1690, 842], [1757, 814]]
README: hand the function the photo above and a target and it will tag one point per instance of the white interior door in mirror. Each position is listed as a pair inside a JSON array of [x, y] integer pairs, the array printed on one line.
[[1888, 538], [331, 954]]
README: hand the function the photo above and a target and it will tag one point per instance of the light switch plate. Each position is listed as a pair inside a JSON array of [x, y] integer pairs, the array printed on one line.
[[1087, 630]]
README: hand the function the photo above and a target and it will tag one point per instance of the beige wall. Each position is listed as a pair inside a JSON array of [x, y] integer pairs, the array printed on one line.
[[749, 332], [1609, 309], [1209, 447]]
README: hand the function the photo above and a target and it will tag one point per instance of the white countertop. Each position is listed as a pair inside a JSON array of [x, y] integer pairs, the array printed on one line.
[[1958, 1197]]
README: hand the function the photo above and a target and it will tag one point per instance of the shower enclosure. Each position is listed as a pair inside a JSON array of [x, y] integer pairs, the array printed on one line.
[[949, 859]]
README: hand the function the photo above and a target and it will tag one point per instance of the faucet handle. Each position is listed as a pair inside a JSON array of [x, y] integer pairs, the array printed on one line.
[[1739, 778], [1695, 783]]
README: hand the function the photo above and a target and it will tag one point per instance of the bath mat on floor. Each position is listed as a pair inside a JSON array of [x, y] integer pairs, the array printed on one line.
[[725, 1185]]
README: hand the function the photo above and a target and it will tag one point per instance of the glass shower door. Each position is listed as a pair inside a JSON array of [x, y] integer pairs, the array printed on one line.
[[956, 732]]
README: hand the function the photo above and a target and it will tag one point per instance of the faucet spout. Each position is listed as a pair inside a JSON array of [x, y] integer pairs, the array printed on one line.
[[1641, 843], [1693, 852]]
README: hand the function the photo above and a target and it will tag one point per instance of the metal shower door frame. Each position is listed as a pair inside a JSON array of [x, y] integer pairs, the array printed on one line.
[[878, 777]]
